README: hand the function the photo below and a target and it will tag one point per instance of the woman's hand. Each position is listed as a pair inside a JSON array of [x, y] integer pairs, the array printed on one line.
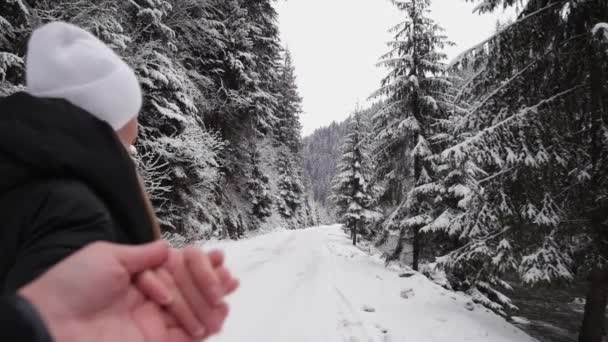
[[191, 287]]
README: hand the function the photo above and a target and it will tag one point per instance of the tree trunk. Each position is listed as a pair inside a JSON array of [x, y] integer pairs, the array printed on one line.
[[416, 247], [593, 328], [398, 249], [355, 228], [416, 230]]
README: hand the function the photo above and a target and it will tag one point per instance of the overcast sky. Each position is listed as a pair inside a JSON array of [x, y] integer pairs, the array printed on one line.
[[336, 45]]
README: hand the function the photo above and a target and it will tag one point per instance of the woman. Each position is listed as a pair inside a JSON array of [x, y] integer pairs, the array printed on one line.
[[66, 179]]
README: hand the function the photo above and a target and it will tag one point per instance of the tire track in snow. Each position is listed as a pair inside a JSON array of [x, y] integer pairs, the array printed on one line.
[[354, 326], [351, 322], [283, 247]]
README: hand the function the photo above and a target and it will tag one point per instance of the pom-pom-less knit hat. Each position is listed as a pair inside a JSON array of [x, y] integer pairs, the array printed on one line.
[[65, 61]]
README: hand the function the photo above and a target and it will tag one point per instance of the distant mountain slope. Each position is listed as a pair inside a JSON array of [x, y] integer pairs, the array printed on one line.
[[321, 153]]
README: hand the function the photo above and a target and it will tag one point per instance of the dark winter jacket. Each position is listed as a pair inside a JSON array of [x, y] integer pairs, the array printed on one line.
[[65, 181], [21, 322]]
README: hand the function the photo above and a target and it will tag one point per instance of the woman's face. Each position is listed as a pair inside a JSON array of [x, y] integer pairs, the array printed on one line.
[[128, 134]]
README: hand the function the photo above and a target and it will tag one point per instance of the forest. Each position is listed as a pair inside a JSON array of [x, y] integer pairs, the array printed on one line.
[[493, 165], [220, 147]]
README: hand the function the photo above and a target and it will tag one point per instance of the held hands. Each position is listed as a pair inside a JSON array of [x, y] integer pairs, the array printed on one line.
[[148, 293], [191, 286]]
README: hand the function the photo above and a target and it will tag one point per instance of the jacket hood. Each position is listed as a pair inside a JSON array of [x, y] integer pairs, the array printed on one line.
[[43, 138]]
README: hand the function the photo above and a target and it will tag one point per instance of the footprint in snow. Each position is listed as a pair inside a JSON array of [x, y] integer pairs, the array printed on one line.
[[346, 324], [382, 329], [470, 306], [368, 308], [407, 293]]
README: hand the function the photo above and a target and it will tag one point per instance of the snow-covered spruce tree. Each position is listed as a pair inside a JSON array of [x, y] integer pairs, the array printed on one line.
[[289, 199], [292, 201], [266, 47], [244, 102], [171, 128], [309, 217], [352, 192], [455, 189], [220, 60], [320, 154], [244, 72], [414, 90], [236, 77], [259, 189], [231, 56], [14, 21], [537, 134], [307, 214], [288, 128]]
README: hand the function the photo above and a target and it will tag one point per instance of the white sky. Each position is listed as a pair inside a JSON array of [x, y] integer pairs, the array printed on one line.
[[336, 45]]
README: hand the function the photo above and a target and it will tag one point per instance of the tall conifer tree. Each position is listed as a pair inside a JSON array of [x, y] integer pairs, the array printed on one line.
[[414, 89]]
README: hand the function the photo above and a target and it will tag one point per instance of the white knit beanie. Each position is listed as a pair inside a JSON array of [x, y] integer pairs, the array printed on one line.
[[67, 62]]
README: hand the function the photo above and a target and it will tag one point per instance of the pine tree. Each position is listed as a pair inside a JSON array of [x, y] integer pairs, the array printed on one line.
[[13, 15], [266, 48], [288, 129], [320, 154], [535, 136], [293, 204], [415, 90], [290, 196], [353, 193], [259, 189], [171, 128], [307, 214]]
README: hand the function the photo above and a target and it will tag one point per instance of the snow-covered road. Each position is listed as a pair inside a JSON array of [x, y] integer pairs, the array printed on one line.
[[312, 285]]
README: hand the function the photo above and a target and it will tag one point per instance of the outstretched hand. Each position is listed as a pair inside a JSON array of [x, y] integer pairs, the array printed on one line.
[[94, 295]]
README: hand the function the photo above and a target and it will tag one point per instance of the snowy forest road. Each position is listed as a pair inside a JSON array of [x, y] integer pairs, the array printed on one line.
[[312, 285]]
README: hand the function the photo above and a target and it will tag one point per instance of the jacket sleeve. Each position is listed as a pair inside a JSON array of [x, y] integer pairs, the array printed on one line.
[[21, 322], [68, 216]]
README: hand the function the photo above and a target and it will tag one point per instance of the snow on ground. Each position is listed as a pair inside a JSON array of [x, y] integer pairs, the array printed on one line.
[[312, 285]]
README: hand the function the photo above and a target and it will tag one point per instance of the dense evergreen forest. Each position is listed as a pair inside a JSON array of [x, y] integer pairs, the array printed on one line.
[[494, 165], [220, 134]]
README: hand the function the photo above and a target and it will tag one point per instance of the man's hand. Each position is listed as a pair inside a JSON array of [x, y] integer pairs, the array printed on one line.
[[91, 295]]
